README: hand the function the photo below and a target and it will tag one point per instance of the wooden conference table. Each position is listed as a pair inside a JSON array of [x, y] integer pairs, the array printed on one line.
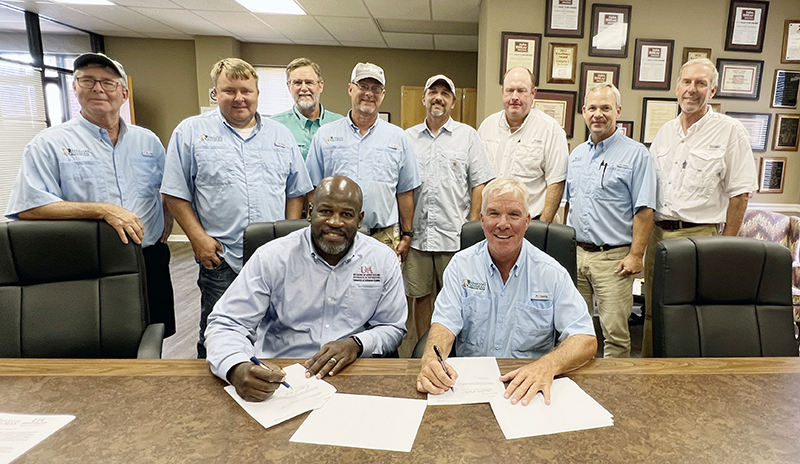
[[736, 410]]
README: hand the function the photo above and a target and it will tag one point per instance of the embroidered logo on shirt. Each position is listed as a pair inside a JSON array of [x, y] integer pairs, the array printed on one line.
[[332, 138], [540, 296], [210, 138], [280, 144], [74, 152], [466, 283], [715, 147], [365, 274], [393, 147], [147, 153]]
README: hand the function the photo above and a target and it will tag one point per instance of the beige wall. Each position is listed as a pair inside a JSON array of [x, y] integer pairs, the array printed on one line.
[[402, 67], [684, 21], [164, 89]]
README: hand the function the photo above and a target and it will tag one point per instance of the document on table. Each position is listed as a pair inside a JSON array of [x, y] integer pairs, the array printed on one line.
[[570, 409], [360, 421], [285, 403], [21, 432], [478, 382]]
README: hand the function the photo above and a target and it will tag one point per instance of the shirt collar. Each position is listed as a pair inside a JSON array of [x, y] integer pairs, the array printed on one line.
[[304, 120], [447, 126], [515, 270], [356, 129], [604, 145], [697, 126], [504, 122], [98, 131], [256, 129]]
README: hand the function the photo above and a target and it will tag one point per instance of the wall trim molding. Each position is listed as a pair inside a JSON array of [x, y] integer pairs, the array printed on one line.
[[793, 208]]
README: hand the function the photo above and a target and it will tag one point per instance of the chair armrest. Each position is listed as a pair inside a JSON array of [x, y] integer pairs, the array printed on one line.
[[152, 340]]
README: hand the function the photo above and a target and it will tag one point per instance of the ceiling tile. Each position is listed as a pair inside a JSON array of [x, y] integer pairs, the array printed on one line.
[[242, 25], [409, 41], [262, 39], [351, 29], [146, 3], [364, 44], [346, 8], [184, 21], [126, 17], [80, 20], [299, 29], [461, 43], [211, 5], [456, 10], [405, 9]]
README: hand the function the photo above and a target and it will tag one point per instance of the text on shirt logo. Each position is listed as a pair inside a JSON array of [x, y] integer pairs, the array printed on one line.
[[365, 274], [280, 144], [332, 138], [540, 296], [73, 152], [466, 283], [147, 153], [210, 138]]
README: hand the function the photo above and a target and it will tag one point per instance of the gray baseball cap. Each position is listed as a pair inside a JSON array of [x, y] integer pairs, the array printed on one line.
[[98, 58]]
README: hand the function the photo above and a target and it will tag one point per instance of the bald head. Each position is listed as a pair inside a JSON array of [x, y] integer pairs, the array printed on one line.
[[335, 216], [342, 188]]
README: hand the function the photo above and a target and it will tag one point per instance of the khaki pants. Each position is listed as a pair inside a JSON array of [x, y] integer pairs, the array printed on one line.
[[614, 294], [658, 235], [389, 236]]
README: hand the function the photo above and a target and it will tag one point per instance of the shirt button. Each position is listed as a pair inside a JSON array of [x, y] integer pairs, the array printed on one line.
[[327, 326], [330, 299], [502, 293], [497, 347]]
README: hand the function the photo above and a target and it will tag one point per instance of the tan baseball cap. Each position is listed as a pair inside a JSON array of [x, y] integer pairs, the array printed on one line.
[[441, 77], [367, 70]]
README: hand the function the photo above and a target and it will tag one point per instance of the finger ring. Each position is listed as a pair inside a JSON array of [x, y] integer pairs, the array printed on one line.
[[333, 359]]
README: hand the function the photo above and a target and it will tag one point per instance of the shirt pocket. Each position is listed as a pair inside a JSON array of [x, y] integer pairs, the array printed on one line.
[[703, 172], [83, 180], [385, 165], [615, 181], [361, 301], [475, 318], [148, 175], [533, 330], [275, 166], [213, 167], [528, 160], [456, 166]]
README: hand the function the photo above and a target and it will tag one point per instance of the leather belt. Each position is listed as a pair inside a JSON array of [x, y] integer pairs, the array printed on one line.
[[591, 247], [375, 230], [675, 225]]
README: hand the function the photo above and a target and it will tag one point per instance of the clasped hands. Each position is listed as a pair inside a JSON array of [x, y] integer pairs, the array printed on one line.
[[257, 383]]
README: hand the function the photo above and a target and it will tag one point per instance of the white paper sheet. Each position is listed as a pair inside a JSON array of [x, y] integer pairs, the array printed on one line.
[[359, 421], [21, 432], [570, 409], [478, 382], [285, 403]]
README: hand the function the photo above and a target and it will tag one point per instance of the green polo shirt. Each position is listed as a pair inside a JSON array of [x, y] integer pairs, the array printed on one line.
[[303, 128]]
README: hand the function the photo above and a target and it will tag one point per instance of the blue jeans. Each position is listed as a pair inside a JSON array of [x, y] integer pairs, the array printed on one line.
[[212, 283]]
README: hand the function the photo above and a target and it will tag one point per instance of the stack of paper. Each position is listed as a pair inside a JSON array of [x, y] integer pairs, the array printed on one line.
[[21, 432], [478, 382], [570, 409], [285, 403]]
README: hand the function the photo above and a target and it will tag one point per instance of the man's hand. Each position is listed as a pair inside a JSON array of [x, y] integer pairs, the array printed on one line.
[[208, 250], [403, 247], [630, 264], [332, 357], [432, 378], [255, 383], [124, 222], [527, 381]]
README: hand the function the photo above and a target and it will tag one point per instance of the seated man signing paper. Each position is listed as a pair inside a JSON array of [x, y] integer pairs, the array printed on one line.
[[325, 293], [505, 298]]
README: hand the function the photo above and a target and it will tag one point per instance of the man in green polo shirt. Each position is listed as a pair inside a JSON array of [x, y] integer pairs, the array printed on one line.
[[305, 83]]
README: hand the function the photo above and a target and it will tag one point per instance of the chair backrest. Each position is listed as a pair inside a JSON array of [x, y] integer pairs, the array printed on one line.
[[722, 296], [557, 240], [70, 289], [259, 233]]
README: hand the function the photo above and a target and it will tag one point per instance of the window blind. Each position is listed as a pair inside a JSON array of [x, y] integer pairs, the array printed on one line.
[[273, 96]]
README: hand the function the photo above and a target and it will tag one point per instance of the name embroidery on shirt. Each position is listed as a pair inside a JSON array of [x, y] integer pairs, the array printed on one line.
[[540, 296], [466, 283], [394, 147], [332, 138], [210, 138], [147, 153], [280, 144], [365, 274], [74, 152]]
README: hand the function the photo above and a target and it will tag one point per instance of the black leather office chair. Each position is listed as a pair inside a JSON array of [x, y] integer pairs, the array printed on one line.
[[72, 289], [722, 296], [557, 240], [259, 233]]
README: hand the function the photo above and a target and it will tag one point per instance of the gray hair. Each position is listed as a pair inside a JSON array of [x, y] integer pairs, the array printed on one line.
[[301, 63], [600, 86], [501, 185], [705, 62]]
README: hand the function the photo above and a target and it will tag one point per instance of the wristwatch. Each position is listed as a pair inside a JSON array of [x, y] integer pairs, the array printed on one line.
[[405, 233], [358, 342]]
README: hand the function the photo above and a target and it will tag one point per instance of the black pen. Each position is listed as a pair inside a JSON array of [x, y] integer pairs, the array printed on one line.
[[255, 361], [441, 361]]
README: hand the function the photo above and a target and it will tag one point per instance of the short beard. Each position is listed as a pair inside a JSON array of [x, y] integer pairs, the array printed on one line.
[[334, 250], [301, 104]]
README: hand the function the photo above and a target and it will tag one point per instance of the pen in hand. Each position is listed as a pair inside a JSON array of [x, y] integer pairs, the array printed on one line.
[[255, 361], [441, 361]]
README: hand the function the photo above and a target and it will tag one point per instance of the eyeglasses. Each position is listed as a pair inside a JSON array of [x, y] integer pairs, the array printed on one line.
[[106, 84], [375, 89], [299, 83]]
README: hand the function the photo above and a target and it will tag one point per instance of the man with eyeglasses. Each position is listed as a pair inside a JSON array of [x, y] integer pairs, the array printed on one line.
[[611, 194], [374, 153], [96, 166], [528, 145], [304, 80], [226, 169]]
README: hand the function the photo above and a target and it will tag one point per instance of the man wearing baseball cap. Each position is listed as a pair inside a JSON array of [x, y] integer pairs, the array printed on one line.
[[374, 153], [455, 167], [92, 165]]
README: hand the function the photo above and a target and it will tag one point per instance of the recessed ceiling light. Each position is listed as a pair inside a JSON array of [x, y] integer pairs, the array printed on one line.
[[272, 6], [85, 2]]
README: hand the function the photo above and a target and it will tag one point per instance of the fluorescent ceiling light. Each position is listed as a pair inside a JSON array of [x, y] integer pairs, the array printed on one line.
[[85, 2], [272, 6]]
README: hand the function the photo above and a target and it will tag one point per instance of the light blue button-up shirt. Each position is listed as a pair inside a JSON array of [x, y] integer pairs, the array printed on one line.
[[518, 319], [232, 182], [452, 163], [76, 161], [288, 302], [381, 162], [303, 128], [606, 185]]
